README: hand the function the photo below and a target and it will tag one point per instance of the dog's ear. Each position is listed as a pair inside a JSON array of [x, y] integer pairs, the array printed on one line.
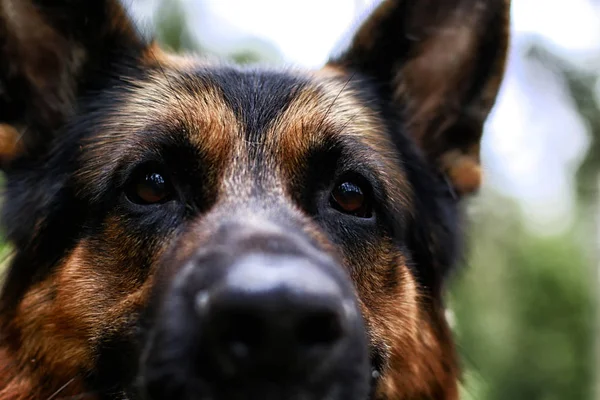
[[50, 51], [440, 63]]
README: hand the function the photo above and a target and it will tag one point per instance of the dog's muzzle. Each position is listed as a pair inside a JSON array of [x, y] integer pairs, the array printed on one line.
[[260, 315]]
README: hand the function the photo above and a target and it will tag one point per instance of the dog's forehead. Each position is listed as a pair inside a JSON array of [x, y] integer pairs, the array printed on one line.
[[243, 115]]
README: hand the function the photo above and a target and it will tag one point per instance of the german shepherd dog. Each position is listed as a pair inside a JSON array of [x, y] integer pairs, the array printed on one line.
[[185, 230]]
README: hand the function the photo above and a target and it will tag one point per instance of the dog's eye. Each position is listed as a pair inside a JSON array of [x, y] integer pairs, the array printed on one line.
[[352, 197], [149, 188]]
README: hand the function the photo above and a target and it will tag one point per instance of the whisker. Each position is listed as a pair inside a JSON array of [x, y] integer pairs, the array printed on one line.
[[62, 388], [328, 111]]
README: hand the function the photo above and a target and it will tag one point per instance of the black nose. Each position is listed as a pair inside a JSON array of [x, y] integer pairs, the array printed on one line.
[[274, 315]]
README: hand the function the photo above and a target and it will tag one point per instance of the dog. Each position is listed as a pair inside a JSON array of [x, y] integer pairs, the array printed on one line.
[[192, 230]]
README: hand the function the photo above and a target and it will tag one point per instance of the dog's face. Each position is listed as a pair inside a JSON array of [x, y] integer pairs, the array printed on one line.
[[189, 231]]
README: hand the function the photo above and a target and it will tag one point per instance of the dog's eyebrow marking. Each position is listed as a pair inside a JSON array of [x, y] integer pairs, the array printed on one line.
[[206, 122], [329, 110]]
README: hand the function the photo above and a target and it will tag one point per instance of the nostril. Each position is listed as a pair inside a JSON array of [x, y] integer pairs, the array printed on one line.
[[319, 328], [241, 332]]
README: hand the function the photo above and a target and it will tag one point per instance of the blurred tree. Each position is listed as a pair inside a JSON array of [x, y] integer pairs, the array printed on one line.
[[172, 30], [524, 310], [526, 305], [581, 84]]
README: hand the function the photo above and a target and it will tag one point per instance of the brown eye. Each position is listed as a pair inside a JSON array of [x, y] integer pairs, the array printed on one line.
[[149, 188], [350, 198]]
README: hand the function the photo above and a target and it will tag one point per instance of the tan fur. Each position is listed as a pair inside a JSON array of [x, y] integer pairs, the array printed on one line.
[[10, 143], [463, 170]]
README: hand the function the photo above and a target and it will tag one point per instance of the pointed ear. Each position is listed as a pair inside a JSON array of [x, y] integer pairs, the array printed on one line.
[[50, 52], [440, 62]]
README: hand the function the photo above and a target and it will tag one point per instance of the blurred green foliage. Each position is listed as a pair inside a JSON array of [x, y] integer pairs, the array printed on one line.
[[173, 33], [171, 30], [524, 309], [526, 306]]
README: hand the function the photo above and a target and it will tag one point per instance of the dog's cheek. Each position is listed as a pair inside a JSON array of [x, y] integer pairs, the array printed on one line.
[[419, 357], [46, 333], [95, 293]]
